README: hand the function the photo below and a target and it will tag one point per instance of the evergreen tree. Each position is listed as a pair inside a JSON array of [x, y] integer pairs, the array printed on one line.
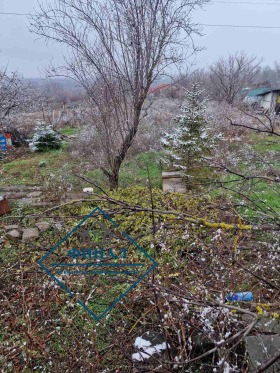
[[45, 138], [188, 147]]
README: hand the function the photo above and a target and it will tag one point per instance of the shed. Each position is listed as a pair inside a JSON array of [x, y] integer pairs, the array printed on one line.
[[267, 99]]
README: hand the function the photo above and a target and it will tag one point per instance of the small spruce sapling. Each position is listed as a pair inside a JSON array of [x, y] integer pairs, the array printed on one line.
[[189, 146], [45, 138]]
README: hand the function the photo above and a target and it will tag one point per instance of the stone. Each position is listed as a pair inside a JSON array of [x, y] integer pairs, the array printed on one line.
[[34, 194], [25, 201], [260, 348], [43, 226], [11, 227], [30, 234], [268, 325], [264, 324], [173, 182], [13, 235]]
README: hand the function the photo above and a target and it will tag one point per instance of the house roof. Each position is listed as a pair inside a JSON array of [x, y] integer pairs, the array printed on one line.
[[159, 87], [262, 91], [259, 92], [275, 90]]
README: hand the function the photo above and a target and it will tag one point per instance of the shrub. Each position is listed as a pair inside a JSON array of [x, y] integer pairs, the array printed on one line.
[[45, 138]]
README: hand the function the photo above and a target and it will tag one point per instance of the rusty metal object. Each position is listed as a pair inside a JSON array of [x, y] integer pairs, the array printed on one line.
[[4, 206]]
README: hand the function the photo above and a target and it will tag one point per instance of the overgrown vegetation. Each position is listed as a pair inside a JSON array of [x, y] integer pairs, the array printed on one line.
[[220, 237], [183, 298]]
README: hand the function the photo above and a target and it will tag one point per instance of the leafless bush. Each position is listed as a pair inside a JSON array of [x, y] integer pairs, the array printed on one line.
[[228, 76], [220, 113]]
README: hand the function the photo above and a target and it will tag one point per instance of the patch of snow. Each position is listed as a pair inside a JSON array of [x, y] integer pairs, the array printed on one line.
[[141, 343], [226, 367], [147, 351]]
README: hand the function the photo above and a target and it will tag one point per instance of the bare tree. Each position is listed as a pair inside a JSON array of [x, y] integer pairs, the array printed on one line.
[[193, 76], [267, 77], [117, 49], [18, 96], [228, 76], [15, 94]]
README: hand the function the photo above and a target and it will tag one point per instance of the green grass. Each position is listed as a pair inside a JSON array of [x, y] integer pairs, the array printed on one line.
[[29, 171], [263, 144], [135, 171], [264, 193], [267, 146], [36, 168], [68, 131]]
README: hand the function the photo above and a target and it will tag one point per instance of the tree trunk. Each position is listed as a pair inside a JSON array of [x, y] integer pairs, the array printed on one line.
[[113, 175], [114, 180]]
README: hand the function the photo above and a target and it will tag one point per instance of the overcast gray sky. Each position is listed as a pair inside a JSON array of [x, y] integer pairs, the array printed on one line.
[[21, 51]]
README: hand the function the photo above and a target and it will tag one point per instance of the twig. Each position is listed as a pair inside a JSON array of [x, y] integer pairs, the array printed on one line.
[[183, 216], [257, 276], [93, 183], [9, 304], [214, 349], [272, 132]]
